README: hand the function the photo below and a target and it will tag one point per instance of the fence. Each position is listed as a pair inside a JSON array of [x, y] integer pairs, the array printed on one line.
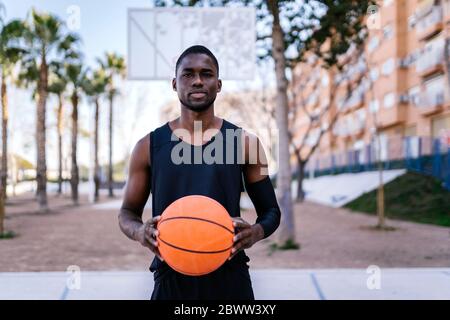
[[424, 155]]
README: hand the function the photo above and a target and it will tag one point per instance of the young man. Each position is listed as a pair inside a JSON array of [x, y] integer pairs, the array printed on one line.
[[153, 168]]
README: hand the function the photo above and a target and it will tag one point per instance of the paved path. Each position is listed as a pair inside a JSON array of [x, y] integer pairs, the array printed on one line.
[[276, 284]]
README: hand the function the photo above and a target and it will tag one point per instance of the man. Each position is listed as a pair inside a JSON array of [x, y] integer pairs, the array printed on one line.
[[154, 167]]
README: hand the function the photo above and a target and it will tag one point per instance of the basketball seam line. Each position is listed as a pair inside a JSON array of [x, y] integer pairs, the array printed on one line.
[[201, 219], [194, 251]]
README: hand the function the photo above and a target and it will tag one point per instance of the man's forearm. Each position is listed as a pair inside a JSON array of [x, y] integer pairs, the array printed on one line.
[[263, 197], [129, 223]]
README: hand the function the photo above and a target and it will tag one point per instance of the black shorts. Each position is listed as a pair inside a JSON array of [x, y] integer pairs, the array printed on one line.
[[230, 282]]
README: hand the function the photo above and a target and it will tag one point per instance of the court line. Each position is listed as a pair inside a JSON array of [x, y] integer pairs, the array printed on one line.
[[64, 294], [317, 286]]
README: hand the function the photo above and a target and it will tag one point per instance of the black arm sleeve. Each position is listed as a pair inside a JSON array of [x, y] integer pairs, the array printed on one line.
[[263, 197]]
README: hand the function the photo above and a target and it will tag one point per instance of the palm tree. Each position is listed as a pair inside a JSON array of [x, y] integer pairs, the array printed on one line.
[[76, 76], [46, 42], [10, 53], [95, 87], [58, 86], [114, 66]]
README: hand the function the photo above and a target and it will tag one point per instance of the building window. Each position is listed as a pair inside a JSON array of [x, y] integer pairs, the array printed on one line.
[[388, 67], [374, 106], [414, 96], [434, 94], [373, 43], [440, 126], [388, 31], [410, 131], [374, 73], [412, 20], [325, 80], [389, 100], [447, 7]]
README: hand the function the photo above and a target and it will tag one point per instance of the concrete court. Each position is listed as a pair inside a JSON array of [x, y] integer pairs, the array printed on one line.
[[268, 284]]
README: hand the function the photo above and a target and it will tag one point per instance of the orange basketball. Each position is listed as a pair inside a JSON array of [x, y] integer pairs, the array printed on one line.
[[195, 235]]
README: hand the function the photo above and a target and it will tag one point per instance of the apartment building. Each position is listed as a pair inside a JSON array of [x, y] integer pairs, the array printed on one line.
[[398, 87]]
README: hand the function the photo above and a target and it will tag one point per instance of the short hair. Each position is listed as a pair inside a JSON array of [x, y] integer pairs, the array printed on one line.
[[197, 49]]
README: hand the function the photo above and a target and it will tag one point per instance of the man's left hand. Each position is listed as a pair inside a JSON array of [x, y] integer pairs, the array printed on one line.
[[246, 235]]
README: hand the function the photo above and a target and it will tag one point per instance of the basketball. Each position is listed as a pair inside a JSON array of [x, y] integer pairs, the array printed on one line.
[[195, 235]]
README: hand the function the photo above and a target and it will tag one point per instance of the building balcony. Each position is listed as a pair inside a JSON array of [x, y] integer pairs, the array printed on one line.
[[430, 23], [432, 59], [390, 117], [432, 102]]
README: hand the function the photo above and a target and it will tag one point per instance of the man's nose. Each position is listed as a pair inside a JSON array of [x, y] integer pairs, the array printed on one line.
[[197, 80]]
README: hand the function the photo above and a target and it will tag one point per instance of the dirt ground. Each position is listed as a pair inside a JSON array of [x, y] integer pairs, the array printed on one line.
[[89, 237]]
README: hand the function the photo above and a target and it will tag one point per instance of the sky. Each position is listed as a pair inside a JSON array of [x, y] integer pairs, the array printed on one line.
[[102, 25]]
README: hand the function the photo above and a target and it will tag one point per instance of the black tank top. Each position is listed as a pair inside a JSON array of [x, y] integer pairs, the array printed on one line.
[[222, 181]]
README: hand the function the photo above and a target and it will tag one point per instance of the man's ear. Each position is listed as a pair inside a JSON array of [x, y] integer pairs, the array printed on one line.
[[174, 84], [219, 85]]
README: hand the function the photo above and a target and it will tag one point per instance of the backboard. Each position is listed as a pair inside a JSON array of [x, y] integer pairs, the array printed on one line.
[[157, 36]]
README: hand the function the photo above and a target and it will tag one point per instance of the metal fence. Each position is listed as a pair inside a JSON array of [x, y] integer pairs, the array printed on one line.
[[424, 155]]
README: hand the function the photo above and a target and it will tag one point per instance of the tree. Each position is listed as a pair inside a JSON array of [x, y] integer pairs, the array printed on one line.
[[45, 39], [10, 52], [94, 87], [76, 76], [58, 86], [288, 29], [114, 66]]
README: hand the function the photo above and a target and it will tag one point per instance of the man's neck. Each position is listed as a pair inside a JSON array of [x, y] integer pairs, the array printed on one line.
[[196, 123], [188, 118]]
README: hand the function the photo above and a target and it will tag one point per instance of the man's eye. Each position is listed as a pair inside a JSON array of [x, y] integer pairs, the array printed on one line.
[[187, 75]]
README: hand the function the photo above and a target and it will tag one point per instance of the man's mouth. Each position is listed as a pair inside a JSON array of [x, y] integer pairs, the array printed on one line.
[[198, 95]]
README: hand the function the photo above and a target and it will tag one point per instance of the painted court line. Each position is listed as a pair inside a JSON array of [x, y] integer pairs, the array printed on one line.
[[316, 285]]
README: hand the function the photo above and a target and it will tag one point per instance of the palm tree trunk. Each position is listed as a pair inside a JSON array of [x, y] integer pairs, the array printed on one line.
[[97, 168], [74, 171], [41, 170], [60, 132], [4, 168], [287, 232], [110, 171]]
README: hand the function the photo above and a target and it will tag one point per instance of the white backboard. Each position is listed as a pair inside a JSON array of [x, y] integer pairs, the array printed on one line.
[[157, 36]]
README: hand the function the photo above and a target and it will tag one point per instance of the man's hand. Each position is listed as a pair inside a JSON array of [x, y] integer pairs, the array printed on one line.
[[246, 235], [146, 235]]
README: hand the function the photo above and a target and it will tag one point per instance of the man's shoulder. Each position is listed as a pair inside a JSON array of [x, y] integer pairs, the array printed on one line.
[[230, 125]]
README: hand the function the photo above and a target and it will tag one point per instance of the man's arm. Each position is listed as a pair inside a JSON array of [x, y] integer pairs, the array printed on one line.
[[262, 194], [136, 195]]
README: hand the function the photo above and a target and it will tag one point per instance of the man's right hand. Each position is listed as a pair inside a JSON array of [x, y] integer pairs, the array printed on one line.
[[146, 236]]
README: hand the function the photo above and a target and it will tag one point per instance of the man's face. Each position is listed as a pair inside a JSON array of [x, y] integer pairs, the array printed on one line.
[[196, 82]]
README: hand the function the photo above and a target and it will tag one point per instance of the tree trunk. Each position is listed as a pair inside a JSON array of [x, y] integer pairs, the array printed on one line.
[[4, 167], [447, 64], [60, 133], [287, 231], [74, 170], [110, 171], [96, 166], [300, 177], [380, 191], [41, 170]]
